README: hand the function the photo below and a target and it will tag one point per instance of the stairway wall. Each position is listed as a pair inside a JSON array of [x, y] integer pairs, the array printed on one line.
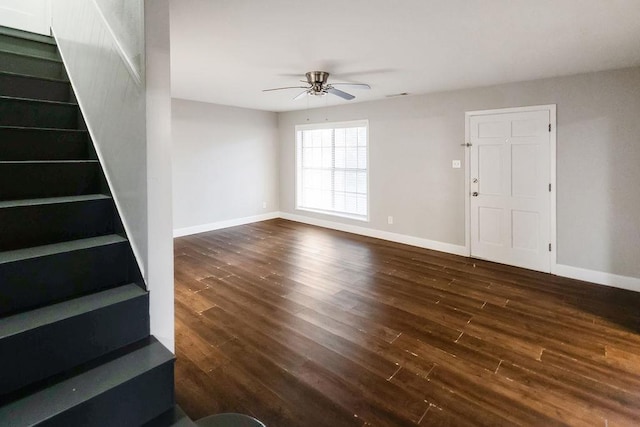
[[113, 105], [113, 87]]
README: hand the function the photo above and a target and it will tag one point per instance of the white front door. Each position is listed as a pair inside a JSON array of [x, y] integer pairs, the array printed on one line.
[[510, 200], [28, 15]]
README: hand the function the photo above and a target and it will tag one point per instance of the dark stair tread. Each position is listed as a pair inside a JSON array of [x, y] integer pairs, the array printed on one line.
[[51, 200], [32, 65], [33, 51], [15, 43], [38, 101], [27, 112], [37, 178], [34, 143], [24, 85], [29, 55], [30, 128], [13, 32], [22, 322], [80, 388], [29, 76], [56, 248], [24, 162]]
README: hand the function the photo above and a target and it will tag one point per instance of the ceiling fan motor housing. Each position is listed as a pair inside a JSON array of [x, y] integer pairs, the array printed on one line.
[[317, 77], [317, 80]]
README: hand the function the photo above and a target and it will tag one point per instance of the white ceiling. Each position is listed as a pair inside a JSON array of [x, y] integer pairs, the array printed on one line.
[[227, 51]]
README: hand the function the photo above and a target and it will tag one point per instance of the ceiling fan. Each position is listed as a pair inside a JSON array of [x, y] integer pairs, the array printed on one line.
[[318, 86]]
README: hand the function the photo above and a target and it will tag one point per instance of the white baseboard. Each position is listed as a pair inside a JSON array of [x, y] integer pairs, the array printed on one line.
[[593, 276], [599, 277], [186, 231], [379, 234]]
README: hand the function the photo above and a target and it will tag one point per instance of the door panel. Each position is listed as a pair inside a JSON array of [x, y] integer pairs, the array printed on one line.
[[492, 129], [490, 225], [529, 127], [510, 174], [524, 172], [524, 230], [490, 176]]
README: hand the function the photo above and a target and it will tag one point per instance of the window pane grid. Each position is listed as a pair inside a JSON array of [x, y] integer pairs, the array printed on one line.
[[332, 170]]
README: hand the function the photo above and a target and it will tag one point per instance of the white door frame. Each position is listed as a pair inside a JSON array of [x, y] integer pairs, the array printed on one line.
[[467, 172]]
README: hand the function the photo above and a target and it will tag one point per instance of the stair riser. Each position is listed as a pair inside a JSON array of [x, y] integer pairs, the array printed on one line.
[[35, 144], [45, 280], [36, 225], [56, 347], [31, 66], [28, 47], [34, 180], [25, 113], [26, 87], [131, 404]]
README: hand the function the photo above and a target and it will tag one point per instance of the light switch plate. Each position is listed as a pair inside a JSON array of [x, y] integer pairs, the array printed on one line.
[[456, 164]]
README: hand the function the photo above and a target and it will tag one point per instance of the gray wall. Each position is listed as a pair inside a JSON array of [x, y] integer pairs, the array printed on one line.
[[413, 140], [225, 162], [130, 123]]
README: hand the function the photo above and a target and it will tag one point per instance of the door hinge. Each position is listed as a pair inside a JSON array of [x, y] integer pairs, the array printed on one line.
[[549, 247], [549, 187], [549, 127]]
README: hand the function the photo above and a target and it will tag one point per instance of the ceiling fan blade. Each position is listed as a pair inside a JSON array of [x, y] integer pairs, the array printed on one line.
[[301, 95], [288, 87], [341, 94], [352, 85]]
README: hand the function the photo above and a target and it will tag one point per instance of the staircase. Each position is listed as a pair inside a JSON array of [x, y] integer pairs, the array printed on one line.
[[75, 348]]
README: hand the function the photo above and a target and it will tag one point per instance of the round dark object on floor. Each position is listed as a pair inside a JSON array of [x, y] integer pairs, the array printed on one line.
[[229, 420]]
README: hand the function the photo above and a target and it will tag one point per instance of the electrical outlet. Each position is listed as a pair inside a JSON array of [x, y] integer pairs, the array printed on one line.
[[390, 220], [264, 205], [456, 164]]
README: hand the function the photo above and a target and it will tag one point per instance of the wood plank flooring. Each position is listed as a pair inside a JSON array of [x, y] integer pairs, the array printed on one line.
[[303, 326]]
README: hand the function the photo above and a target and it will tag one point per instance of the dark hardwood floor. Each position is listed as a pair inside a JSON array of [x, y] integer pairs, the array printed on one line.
[[303, 326]]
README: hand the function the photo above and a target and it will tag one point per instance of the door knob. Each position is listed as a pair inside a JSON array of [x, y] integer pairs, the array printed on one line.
[[474, 194]]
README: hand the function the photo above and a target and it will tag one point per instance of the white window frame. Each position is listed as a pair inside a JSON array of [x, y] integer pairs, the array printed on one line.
[[298, 167]]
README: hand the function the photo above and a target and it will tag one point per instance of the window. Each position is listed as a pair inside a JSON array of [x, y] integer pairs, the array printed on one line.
[[332, 175]]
